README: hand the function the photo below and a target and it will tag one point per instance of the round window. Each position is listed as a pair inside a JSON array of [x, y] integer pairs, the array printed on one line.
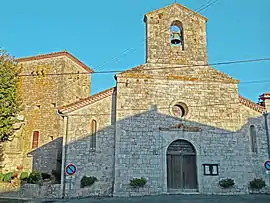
[[179, 110]]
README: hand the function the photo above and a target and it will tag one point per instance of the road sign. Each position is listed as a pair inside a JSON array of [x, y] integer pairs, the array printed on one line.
[[267, 172], [71, 169], [267, 165]]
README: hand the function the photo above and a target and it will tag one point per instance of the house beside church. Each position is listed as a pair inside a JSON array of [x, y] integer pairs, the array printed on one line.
[[178, 123]]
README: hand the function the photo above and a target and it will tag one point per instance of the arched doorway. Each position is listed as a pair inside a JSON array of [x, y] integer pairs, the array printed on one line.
[[181, 166]]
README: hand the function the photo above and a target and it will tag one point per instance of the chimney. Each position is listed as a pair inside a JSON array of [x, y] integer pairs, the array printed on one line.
[[265, 101]]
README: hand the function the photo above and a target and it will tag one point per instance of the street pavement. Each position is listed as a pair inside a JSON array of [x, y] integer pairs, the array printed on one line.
[[11, 201], [176, 199]]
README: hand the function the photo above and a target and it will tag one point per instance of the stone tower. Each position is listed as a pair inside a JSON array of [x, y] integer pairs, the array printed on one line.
[[191, 26], [265, 101], [37, 144]]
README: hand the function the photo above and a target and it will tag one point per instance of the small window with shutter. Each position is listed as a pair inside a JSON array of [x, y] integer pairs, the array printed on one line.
[[93, 135], [253, 138], [35, 139]]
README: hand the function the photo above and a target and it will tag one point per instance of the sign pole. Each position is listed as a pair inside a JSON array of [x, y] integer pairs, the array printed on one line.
[[70, 182], [71, 169]]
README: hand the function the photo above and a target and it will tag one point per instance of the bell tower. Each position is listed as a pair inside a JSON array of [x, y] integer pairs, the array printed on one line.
[[176, 35]]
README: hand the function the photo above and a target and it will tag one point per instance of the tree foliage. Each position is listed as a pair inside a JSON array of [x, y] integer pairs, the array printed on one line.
[[9, 100]]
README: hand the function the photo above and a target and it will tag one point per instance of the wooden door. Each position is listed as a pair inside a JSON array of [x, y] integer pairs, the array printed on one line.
[[181, 166], [189, 172]]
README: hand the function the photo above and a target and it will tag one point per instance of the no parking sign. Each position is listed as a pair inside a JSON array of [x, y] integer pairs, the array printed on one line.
[[267, 166], [71, 169]]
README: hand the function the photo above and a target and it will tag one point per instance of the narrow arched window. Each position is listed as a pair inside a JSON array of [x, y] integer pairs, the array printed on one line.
[[177, 34], [93, 135], [252, 131], [35, 139]]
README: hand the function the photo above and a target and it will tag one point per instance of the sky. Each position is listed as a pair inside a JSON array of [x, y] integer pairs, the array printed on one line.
[[109, 35]]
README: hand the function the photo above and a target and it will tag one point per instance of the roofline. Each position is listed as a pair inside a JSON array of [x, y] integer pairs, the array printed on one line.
[[55, 54], [86, 101], [137, 69], [200, 15], [109, 92], [251, 105]]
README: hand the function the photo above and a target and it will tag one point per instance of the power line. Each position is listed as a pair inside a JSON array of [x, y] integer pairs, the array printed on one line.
[[113, 59], [162, 68], [202, 7], [195, 65]]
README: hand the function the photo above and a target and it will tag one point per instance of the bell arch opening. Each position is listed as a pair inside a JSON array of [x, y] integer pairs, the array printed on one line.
[[181, 166], [177, 34]]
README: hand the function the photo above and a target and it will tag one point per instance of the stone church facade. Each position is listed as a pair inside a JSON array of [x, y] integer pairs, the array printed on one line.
[[175, 121]]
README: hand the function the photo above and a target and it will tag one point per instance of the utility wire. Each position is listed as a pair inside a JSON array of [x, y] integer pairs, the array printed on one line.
[[162, 68], [202, 7], [206, 5]]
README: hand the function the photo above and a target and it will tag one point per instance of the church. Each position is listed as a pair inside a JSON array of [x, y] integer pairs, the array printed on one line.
[[174, 120]]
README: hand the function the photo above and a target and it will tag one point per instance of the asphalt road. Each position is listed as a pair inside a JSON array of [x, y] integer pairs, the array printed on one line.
[[177, 199], [11, 201]]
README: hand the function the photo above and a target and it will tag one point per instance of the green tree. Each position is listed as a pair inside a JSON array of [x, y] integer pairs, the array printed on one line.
[[9, 100]]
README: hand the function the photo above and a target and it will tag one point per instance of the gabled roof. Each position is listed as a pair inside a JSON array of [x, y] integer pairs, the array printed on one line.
[[87, 101], [176, 5], [56, 54], [178, 72], [106, 93], [252, 105]]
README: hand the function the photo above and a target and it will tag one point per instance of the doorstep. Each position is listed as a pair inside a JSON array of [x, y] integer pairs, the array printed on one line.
[[183, 192]]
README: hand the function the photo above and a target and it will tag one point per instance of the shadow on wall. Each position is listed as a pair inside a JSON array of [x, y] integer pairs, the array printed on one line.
[[48, 160], [48, 157], [136, 148]]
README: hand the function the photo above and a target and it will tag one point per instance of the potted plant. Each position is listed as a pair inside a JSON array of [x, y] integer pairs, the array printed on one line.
[[257, 184], [88, 181], [138, 182], [226, 183]]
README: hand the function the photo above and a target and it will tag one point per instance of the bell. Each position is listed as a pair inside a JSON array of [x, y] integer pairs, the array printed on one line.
[[176, 38]]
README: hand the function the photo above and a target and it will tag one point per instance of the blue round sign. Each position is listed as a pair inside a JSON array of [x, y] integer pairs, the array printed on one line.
[[71, 169], [267, 165]]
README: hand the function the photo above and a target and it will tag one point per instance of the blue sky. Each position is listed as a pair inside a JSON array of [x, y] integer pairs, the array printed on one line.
[[97, 31]]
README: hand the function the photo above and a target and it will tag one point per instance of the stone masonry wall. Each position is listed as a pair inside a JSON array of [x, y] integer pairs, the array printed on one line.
[[232, 151], [30, 191], [98, 163], [41, 96], [247, 113], [159, 49], [213, 103], [141, 146], [75, 86]]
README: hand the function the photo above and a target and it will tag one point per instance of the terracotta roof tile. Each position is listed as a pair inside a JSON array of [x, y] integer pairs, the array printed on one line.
[[252, 105], [101, 95], [87, 101], [56, 54]]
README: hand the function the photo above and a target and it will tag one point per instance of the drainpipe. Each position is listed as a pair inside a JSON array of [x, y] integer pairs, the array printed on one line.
[[267, 132], [64, 151], [267, 135]]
